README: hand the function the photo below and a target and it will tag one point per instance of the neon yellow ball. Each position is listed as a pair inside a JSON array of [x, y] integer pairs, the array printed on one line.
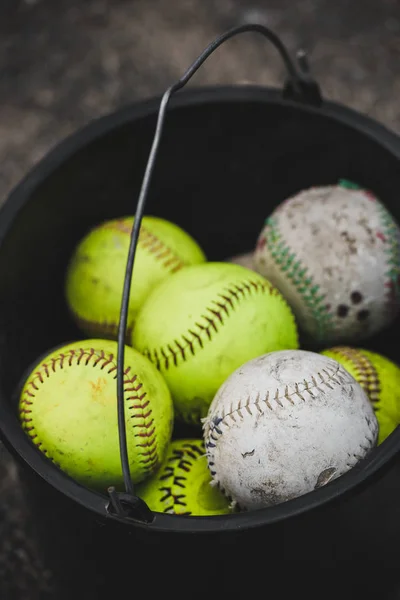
[[96, 271], [68, 407], [380, 378], [205, 321], [183, 484]]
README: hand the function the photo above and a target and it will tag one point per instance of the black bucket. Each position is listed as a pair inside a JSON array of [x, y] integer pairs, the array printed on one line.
[[228, 156]]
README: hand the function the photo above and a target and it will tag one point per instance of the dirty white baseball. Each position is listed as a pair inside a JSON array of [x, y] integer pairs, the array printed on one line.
[[284, 424], [334, 253]]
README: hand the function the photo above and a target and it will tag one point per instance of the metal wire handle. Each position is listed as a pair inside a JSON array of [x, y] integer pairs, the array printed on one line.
[[301, 87]]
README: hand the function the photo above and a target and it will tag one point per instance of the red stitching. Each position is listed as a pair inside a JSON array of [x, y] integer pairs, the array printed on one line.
[[149, 241], [72, 354], [145, 433], [145, 415], [141, 405], [80, 356], [99, 358]]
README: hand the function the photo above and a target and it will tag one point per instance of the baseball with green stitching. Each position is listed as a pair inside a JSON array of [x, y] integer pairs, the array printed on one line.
[[334, 253], [96, 272], [205, 321], [68, 408], [380, 378], [183, 485]]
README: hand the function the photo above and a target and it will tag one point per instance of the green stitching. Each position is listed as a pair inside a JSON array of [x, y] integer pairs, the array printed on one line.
[[391, 233], [349, 185], [302, 281], [299, 277]]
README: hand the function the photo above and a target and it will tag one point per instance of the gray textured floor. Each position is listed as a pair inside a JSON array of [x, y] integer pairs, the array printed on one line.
[[64, 62]]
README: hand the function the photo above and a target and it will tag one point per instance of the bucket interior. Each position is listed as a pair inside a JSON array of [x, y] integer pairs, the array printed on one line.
[[224, 164]]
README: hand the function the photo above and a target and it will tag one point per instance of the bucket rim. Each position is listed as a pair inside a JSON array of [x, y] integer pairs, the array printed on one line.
[[102, 125], [13, 436]]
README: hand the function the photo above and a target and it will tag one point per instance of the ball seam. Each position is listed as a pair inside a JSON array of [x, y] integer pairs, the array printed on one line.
[[298, 275], [209, 323], [184, 464], [150, 242], [212, 429], [366, 373], [147, 450]]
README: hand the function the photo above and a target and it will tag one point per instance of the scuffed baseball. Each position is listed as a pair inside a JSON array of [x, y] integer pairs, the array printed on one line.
[[284, 424], [334, 253]]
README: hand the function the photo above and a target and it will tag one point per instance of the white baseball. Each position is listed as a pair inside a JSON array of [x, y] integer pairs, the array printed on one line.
[[334, 253], [284, 424]]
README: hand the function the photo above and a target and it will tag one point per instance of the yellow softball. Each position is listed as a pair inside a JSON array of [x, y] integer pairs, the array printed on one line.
[[96, 271], [205, 321], [380, 378], [183, 484], [68, 407]]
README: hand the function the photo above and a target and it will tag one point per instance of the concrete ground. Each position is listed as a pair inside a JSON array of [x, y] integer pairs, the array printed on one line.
[[65, 62]]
